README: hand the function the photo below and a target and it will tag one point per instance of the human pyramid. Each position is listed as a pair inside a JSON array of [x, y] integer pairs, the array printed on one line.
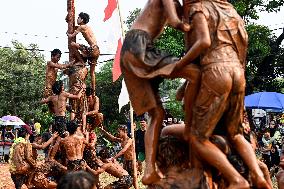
[[208, 151], [72, 145]]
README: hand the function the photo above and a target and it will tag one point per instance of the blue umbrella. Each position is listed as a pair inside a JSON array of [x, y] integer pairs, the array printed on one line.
[[265, 100]]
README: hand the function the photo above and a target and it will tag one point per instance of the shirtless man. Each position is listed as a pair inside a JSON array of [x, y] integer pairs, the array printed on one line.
[[73, 145], [21, 161], [115, 169], [51, 71], [59, 102], [142, 66], [92, 52], [127, 147], [92, 116], [219, 40]]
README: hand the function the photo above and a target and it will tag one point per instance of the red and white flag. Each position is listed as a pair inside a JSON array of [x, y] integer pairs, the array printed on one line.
[[115, 37]]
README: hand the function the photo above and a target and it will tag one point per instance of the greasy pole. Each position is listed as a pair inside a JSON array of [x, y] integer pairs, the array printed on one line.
[[70, 19]]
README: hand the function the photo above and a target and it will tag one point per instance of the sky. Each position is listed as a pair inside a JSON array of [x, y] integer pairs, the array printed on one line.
[[43, 22]]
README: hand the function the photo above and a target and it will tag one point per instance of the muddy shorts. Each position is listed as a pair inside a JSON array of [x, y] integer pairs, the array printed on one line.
[[59, 125], [143, 67], [76, 165], [220, 98], [92, 53], [124, 182], [128, 166], [19, 180]]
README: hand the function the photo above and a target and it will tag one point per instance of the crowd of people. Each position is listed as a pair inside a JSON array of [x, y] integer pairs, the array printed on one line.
[[269, 142], [69, 145]]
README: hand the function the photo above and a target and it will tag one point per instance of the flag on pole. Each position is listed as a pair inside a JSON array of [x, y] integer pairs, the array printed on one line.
[[111, 6], [123, 98], [112, 16]]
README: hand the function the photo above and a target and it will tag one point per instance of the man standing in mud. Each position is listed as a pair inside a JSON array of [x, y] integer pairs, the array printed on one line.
[[143, 66], [219, 40]]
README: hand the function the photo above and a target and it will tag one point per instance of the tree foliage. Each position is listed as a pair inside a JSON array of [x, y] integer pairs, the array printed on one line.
[[108, 93], [22, 74], [249, 9]]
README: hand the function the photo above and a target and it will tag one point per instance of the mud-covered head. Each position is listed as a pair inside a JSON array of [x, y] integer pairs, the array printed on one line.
[[172, 152], [104, 154], [57, 87], [72, 127]]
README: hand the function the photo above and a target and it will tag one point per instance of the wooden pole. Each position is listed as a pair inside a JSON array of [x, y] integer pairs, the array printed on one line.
[[135, 179], [70, 19]]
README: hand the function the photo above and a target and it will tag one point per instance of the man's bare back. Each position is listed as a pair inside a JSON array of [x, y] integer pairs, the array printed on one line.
[[88, 34], [74, 147]]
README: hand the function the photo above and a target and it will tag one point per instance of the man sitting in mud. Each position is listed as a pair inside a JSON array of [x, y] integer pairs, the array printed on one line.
[[143, 66], [59, 101], [127, 147], [125, 180], [90, 53], [73, 145], [92, 118]]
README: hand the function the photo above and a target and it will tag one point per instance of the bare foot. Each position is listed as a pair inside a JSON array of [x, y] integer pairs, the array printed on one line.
[[150, 177]]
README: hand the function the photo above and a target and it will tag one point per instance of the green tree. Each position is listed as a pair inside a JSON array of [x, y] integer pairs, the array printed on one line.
[[265, 53], [108, 93], [22, 74]]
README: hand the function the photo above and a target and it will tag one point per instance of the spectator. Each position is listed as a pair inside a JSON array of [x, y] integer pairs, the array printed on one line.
[[267, 143], [140, 145]]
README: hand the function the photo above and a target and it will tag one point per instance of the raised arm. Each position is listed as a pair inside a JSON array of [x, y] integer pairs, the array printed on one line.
[[78, 30], [45, 100], [54, 149], [46, 144], [60, 66], [77, 96], [173, 18], [124, 149], [202, 39], [110, 136]]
